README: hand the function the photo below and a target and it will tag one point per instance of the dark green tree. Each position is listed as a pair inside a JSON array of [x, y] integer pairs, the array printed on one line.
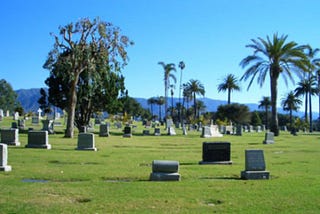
[[44, 102], [236, 113], [265, 103], [255, 119], [8, 97], [85, 54], [229, 84], [195, 87], [274, 56]]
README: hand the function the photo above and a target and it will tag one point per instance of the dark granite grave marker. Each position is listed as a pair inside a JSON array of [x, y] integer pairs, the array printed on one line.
[[255, 165], [216, 153]]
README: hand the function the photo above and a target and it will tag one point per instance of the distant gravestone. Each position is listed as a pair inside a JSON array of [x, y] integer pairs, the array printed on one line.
[[229, 130], [169, 123], [38, 139], [263, 128], [239, 130], [184, 130], [146, 132], [165, 170], [104, 130], [14, 125], [216, 153], [127, 131], [10, 137], [4, 158], [35, 120], [258, 129], [269, 138], [16, 116], [157, 132], [86, 142], [211, 131], [255, 167], [171, 131], [21, 124], [250, 129], [1, 113], [47, 125]]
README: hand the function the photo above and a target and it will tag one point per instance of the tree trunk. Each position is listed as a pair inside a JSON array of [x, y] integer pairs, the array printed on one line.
[[267, 122], [165, 97], [310, 113], [274, 126], [229, 96], [72, 107], [306, 108], [195, 105]]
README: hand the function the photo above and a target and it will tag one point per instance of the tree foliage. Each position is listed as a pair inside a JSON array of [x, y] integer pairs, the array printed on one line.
[[85, 66], [8, 97], [236, 113]]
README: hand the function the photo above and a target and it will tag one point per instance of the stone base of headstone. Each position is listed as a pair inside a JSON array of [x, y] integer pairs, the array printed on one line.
[[5, 168], [216, 162], [162, 176], [255, 175]]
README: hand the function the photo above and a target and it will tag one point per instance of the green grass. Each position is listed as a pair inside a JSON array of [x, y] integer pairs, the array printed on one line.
[[115, 178]]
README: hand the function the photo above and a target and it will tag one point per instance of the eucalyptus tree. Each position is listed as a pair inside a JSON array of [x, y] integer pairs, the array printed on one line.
[[93, 47], [168, 69], [195, 87], [274, 56], [229, 84], [265, 103], [291, 103]]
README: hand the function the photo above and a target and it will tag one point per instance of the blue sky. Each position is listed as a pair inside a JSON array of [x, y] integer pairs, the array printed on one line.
[[208, 35]]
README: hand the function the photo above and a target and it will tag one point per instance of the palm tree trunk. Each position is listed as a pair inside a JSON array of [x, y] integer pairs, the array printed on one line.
[[267, 122], [310, 113], [306, 108], [229, 96], [195, 105], [165, 97], [274, 126]]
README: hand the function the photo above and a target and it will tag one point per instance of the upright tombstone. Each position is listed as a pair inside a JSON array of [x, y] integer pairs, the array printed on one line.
[[165, 170], [104, 130], [38, 139], [211, 131], [47, 125], [239, 130], [269, 138], [86, 142], [10, 137], [255, 167], [184, 130], [21, 124], [216, 153], [146, 132], [14, 125], [35, 120], [16, 116], [4, 158], [171, 130], [157, 132], [127, 131]]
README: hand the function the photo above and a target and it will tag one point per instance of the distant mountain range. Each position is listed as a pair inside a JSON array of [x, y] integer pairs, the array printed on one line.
[[29, 101]]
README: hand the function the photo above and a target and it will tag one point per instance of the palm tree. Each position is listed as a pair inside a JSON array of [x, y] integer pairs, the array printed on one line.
[[307, 87], [172, 87], [160, 101], [195, 87], [168, 68], [265, 103], [291, 103], [181, 66], [200, 107], [151, 102], [230, 83], [274, 56]]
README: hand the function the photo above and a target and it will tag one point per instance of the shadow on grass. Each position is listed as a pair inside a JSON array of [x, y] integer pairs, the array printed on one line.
[[73, 163], [234, 177]]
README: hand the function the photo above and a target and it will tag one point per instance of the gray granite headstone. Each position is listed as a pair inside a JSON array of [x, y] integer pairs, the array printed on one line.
[[171, 131], [146, 132], [38, 139], [104, 130], [4, 158], [269, 138], [255, 167], [47, 125], [165, 170], [35, 120], [184, 130], [127, 132], [10, 137], [86, 142], [239, 130], [157, 132]]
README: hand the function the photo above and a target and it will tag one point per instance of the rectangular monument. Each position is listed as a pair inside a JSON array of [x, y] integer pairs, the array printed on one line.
[[104, 130], [255, 167], [269, 138], [38, 139], [10, 137], [4, 158], [216, 153], [86, 142], [127, 132]]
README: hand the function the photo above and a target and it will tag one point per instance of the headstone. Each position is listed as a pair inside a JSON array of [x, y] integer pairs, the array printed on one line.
[[38, 139], [4, 158], [86, 142], [263, 128], [255, 167], [104, 130], [10, 137], [127, 132], [211, 131], [229, 129], [8, 113], [258, 129], [97, 121], [14, 125], [184, 130], [16, 116], [239, 130], [47, 125], [35, 120], [21, 124], [165, 170], [157, 132], [245, 128], [269, 138], [146, 132], [216, 153], [169, 123], [171, 130], [250, 129], [39, 112], [1, 113]]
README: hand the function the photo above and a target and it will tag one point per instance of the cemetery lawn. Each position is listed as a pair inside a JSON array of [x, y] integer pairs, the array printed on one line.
[[115, 179]]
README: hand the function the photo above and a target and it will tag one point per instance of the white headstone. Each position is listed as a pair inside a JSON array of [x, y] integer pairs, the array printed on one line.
[[4, 158]]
